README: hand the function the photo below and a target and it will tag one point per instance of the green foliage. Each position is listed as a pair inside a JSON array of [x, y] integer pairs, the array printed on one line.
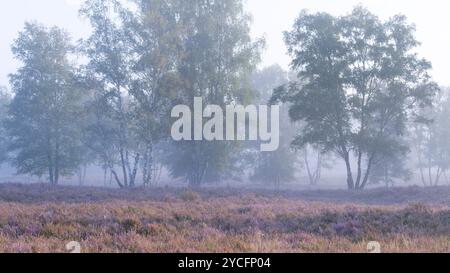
[[154, 37], [358, 86], [145, 60], [218, 59], [44, 113], [361, 83], [431, 140], [112, 125], [132, 60], [391, 167], [5, 99], [279, 166]]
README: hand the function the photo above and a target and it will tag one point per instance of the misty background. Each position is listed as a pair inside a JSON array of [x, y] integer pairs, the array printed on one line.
[[270, 19]]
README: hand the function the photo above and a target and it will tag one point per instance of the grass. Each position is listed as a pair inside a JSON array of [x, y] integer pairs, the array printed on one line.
[[44, 219]]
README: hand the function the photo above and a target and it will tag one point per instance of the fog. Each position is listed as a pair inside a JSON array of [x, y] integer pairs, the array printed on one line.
[[270, 19], [224, 126], [318, 166]]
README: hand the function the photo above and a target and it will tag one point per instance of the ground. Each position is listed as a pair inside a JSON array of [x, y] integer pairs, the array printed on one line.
[[40, 218]]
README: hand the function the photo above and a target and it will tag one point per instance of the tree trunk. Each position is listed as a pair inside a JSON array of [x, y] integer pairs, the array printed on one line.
[[308, 168], [50, 174], [124, 168], [147, 165], [116, 177], [350, 181], [57, 163], [368, 170], [315, 176], [359, 174], [105, 174], [133, 173]]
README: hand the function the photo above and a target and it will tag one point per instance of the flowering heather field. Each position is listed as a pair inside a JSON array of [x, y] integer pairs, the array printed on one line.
[[44, 219]]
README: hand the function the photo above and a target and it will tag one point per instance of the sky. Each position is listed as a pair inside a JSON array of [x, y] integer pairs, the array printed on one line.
[[270, 19]]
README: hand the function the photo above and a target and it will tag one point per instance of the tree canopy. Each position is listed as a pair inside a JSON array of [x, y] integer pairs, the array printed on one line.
[[361, 82], [44, 115]]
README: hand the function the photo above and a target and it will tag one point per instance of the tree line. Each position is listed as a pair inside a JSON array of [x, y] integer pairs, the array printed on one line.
[[357, 92]]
